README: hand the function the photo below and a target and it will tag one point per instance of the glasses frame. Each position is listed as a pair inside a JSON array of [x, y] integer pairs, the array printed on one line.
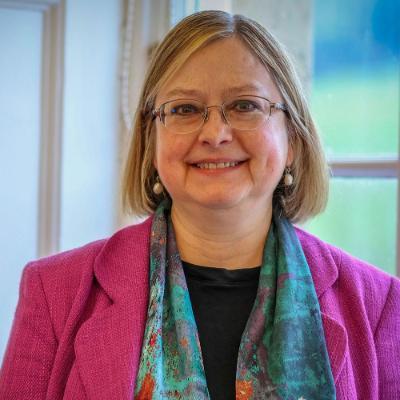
[[159, 112]]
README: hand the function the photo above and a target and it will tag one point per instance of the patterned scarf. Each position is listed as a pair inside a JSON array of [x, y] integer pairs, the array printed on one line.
[[282, 354]]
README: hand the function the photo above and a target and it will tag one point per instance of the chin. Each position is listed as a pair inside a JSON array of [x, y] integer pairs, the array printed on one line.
[[220, 201]]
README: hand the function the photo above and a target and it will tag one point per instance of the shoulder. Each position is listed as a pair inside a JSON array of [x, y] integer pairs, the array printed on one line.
[[72, 263], [353, 280], [70, 277], [319, 251]]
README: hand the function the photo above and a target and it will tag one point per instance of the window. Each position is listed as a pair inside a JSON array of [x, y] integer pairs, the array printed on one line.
[[58, 131], [355, 100], [19, 151]]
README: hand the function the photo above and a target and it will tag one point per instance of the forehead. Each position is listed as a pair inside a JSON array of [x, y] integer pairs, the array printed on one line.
[[222, 68]]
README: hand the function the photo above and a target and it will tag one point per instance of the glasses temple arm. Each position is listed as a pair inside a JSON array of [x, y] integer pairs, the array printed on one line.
[[279, 106]]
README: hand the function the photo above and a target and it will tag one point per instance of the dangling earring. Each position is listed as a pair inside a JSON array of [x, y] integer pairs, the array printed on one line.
[[158, 188], [288, 177]]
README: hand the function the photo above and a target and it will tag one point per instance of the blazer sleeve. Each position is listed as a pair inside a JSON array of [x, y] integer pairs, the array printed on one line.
[[32, 345], [387, 341]]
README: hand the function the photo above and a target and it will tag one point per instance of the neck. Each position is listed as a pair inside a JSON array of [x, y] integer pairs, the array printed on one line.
[[229, 238]]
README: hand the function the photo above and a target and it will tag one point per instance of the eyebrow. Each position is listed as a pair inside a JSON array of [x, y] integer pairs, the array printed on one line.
[[229, 91]]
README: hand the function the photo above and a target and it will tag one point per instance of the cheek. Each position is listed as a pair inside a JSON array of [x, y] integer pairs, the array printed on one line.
[[163, 146], [271, 146], [170, 153], [271, 151]]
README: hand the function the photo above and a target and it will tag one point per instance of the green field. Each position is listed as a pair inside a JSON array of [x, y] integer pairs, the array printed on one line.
[[358, 116]]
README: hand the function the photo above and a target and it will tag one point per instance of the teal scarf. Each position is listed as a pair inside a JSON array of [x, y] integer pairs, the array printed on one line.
[[282, 353]]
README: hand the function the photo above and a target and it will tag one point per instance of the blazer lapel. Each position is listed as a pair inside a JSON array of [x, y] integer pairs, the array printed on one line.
[[107, 350], [336, 343], [109, 343], [325, 274]]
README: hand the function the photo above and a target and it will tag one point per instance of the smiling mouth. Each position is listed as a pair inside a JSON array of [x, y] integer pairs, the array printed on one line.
[[220, 165]]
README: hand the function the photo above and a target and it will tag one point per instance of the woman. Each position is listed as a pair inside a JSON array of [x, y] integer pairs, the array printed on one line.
[[216, 295]]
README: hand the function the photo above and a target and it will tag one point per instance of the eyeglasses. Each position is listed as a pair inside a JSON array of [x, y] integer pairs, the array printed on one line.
[[244, 113]]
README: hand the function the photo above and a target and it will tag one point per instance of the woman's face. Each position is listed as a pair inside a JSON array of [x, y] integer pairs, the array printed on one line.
[[217, 73]]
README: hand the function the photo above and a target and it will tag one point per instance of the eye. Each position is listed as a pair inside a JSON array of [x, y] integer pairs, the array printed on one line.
[[244, 105], [185, 109]]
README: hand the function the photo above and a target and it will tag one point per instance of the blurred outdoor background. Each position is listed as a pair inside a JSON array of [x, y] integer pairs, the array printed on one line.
[[355, 100], [70, 74]]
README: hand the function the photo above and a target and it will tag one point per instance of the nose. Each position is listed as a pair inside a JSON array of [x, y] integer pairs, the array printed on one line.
[[215, 130]]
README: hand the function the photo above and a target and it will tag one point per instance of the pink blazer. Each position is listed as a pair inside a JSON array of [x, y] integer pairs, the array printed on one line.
[[80, 320]]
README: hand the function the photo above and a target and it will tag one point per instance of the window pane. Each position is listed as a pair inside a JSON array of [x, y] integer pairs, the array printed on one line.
[[366, 229], [355, 95]]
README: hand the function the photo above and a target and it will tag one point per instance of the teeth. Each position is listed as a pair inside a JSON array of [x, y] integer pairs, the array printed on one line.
[[217, 165]]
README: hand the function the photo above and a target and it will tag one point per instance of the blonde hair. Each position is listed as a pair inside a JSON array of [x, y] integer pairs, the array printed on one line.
[[307, 196]]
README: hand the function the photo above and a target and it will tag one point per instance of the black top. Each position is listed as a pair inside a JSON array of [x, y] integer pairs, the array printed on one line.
[[222, 301]]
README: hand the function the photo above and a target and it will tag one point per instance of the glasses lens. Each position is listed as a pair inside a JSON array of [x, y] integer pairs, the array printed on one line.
[[183, 116], [247, 113]]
